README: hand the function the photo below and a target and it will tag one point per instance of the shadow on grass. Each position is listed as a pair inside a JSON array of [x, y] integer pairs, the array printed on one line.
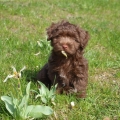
[[31, 75], [4, 111]]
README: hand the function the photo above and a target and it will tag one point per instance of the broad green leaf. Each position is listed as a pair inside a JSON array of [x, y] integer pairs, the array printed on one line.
[[25, 98], [8, 99], [46, 94], [28, 110], [52, 91], [43, 90], [38, 111], [23, 102], [15, 102], [28, 88], [44, 100], [9, 104], [27, 93]]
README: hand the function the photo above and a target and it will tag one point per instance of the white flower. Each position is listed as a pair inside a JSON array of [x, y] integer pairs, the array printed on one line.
[[15, 74], [72, 104]]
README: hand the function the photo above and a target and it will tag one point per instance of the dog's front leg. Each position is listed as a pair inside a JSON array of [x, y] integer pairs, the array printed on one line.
[[80, 86]]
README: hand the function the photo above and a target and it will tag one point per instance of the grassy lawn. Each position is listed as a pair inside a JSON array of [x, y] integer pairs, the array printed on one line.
[[24, 22]]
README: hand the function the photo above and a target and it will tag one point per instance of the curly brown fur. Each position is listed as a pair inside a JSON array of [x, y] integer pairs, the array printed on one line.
[[71, 72]]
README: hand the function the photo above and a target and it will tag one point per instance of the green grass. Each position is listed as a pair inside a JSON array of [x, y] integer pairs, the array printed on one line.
[[24, 22]]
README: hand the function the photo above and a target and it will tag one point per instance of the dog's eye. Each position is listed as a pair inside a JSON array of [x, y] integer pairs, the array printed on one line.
[[54, 41], [76, 40]]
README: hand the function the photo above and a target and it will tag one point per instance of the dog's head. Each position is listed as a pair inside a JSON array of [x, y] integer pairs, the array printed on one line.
[[67, 37]]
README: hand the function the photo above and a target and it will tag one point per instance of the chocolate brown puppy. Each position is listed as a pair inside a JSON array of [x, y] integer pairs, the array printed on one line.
[[66, 66]]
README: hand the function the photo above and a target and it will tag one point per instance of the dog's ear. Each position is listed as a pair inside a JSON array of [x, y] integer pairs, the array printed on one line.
[[83, 37], [56, 29], [50, 32]]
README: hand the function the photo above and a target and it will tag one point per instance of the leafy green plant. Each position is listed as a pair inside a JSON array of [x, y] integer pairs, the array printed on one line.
[[20, 109], [46, 94]]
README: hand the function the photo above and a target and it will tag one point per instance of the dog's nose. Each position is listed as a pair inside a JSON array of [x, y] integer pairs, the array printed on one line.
[[65, 46]]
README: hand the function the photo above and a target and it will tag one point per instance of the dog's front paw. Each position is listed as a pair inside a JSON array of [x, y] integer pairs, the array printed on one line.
[[81, 94]]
